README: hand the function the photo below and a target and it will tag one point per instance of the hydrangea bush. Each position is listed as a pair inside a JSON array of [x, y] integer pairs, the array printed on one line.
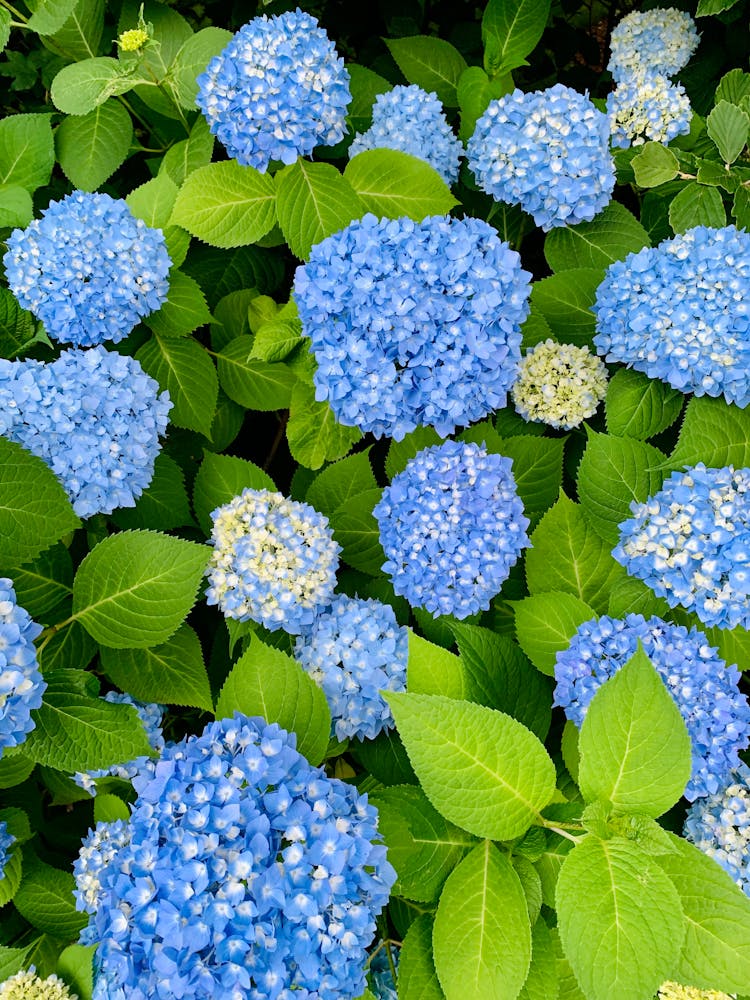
[[374, 500]]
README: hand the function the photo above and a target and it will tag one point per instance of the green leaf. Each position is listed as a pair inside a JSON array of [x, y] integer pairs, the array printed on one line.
[[14, 770], [5, 19], [423, 847], [12, 874], [537, 469], [34, 509], [706, 7], [565, 300], [631, 596], [108, 808], [79, 88], [265, 681], [432, 63], [71, 647], [50, 15], [728, 126], [654, 165], [184, 310], [170, 674], [545, 624], [76, 967], [634, 745], [163, 505], [639, 407], [392, 184], [714, 432], [696, 205], [254, 384], [482, 770], [620, 919], [17, 326], [385, 759], [340, 482], [482, 935], [313, 434], [733, 86], [190, 154], [194, 55], [542, 980], [313, 201], [91, 147], [611, 236], [433, 670], [16, 206], [568, 555], [226, 204], [716, 951], [475, 91], [511, 30], [44, 583], [276, 339], [417, 979], [614, 472], [183, 367], [399, 452], [357, 532], [500, 676], [45, 899], [220, 479], [133, 590], [80, 35], [365, 85], [27, 151], [77, 731]]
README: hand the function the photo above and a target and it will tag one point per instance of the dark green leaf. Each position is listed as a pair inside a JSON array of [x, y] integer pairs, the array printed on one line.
[[432, 63]]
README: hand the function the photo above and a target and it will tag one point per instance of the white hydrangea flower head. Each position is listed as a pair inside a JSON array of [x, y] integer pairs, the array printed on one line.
[[26, 985], [662, 39], [559, 384], [647, 106], [674, 991]]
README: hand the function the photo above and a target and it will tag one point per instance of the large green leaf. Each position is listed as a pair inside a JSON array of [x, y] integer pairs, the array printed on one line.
[[17, 326], [190, 154], [481, 769], [634, 745], [510, 32], [728, 126], [565, 300], [340, 482], [482, 935], [82, 86], [194, 55], [697, 205], [226, 204], [654, 165], [133, 590], [91, 147], [714, 432], [432, 63], [163, 505], [220, 479], [184, 310], [42, 584], [620, 919], [417, 979], [50, 15], [313, 200], [183, 367], [46, 900], [393, 184], [545, 624], [254, 384], [80, 35], [433, 670], [356, 531], [611, 236], [542, 980], [640, 407], [27, 151], [313, 434]]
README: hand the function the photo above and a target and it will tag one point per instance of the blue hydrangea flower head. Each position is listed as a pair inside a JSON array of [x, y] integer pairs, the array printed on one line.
[[720, 826], [94, 417], [98, 850], [680, 312], [413, 323], [276, 92], [451, 526], [647, 106], [248, 873], [88, 269], [703, 687], [547, 151], [21, 682], [151, 716], [559, 384], [661, 40], [354, 650], [7, 840], [690, 543], [27, 985], [413, 121], [274, 561]]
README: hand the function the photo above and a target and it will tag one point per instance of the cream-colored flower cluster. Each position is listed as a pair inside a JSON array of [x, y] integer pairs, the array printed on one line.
[[559, 384], [673, 991], [26, 985]]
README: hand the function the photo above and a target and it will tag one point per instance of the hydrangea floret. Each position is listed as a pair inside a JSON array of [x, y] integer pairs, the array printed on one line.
[[413, 121], [274, 561], [690, 543], [704, 688], [27, 985], [21, 681], [661, 40], [720, 826], [88, 269], [413, 324], [647, 106], [151, 716], [451, 526], [248, 873], [97, 852], [675, 991], [94, 417], [354, 650], [547, 151], [277, 91], [559, 384], [7, 840], [680, 312]]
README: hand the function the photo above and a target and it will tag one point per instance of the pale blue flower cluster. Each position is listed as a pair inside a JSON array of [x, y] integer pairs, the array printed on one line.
[[7, 840], [98, 850], [690, 543], [355, 650], [413, 121], [451, 526], [382, 982], [647, 106], [704, 688], [660, 39], [547, 151], [274, 561], [247, 873], [680, 312], [720, 826], [413, 324], [88, 269], [276, 92], [21, 682], [151, 716], [94, 417]]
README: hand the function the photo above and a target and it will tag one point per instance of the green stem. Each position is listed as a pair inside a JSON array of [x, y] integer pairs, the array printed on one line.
[[22, 19], [561, 829]]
